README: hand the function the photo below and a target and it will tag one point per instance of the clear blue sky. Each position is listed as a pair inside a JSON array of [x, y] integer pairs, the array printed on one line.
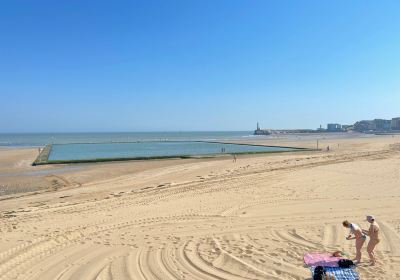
[[196, 65]]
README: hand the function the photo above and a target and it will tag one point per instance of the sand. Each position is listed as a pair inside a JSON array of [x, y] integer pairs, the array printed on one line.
[[198, 219]]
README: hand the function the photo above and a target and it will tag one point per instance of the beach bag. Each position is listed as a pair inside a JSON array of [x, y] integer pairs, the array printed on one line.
[[344, 263], [319, 273]]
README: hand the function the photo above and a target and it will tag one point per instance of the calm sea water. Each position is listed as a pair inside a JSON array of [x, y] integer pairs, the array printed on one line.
[[149, 149], [41, 139]]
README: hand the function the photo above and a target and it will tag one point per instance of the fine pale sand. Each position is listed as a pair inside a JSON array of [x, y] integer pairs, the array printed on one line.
[[198, 218]]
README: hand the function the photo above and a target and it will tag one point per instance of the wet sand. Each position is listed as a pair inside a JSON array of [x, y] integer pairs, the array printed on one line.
[[198, 219]]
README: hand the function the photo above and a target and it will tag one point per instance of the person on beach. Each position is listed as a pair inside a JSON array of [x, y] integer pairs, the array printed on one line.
[[234, 158], [359, 236], [373, 233]]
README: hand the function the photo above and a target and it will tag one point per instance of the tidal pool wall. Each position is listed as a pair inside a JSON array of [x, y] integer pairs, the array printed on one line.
[[122, 151]]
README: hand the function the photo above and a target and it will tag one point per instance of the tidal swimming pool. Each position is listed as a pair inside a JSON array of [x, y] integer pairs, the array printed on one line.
[[80, 152]]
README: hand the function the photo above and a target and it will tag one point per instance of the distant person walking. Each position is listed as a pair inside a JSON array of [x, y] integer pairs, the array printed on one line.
[[234, 158], [359, 236], [373, 233]]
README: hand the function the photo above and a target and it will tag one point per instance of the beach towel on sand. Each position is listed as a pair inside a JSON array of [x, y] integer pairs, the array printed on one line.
[[341, 273], [322, 259]]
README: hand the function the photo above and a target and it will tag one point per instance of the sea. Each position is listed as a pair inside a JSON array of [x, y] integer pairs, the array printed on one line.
[[42, 139]]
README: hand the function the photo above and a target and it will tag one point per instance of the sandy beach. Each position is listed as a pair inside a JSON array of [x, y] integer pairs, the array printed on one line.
[[199, 218]]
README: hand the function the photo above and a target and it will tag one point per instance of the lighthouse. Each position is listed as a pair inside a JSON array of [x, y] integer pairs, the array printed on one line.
[[260, 131]]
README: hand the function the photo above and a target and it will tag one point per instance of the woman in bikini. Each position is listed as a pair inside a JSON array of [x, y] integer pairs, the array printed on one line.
[[359, 236], [373, 233]]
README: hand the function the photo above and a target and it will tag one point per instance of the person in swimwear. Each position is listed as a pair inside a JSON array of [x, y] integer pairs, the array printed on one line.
[[359, 236], [373, 233]]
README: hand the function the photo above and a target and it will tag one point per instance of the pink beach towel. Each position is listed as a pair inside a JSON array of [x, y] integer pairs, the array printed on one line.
[[323, 259]]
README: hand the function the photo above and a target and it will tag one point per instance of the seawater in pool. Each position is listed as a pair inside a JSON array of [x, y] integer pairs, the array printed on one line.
[[65, 152]]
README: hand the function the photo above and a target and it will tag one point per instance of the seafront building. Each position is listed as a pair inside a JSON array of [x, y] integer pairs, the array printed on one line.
[[382, 124], [347, 127], [377, 125], [364, 126], [395, 124], [334, 127]]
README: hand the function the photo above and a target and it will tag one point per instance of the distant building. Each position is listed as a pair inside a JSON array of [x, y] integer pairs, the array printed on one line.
[[363, 126], [382, 125], [395, 124], [331, 127], [347, 127], [377, 125]]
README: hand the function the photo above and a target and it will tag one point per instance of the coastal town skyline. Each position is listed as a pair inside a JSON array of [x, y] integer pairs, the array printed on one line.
[[375, 125]]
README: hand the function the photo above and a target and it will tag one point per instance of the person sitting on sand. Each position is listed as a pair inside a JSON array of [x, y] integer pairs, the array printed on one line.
[[359, 236], [373, 233]]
